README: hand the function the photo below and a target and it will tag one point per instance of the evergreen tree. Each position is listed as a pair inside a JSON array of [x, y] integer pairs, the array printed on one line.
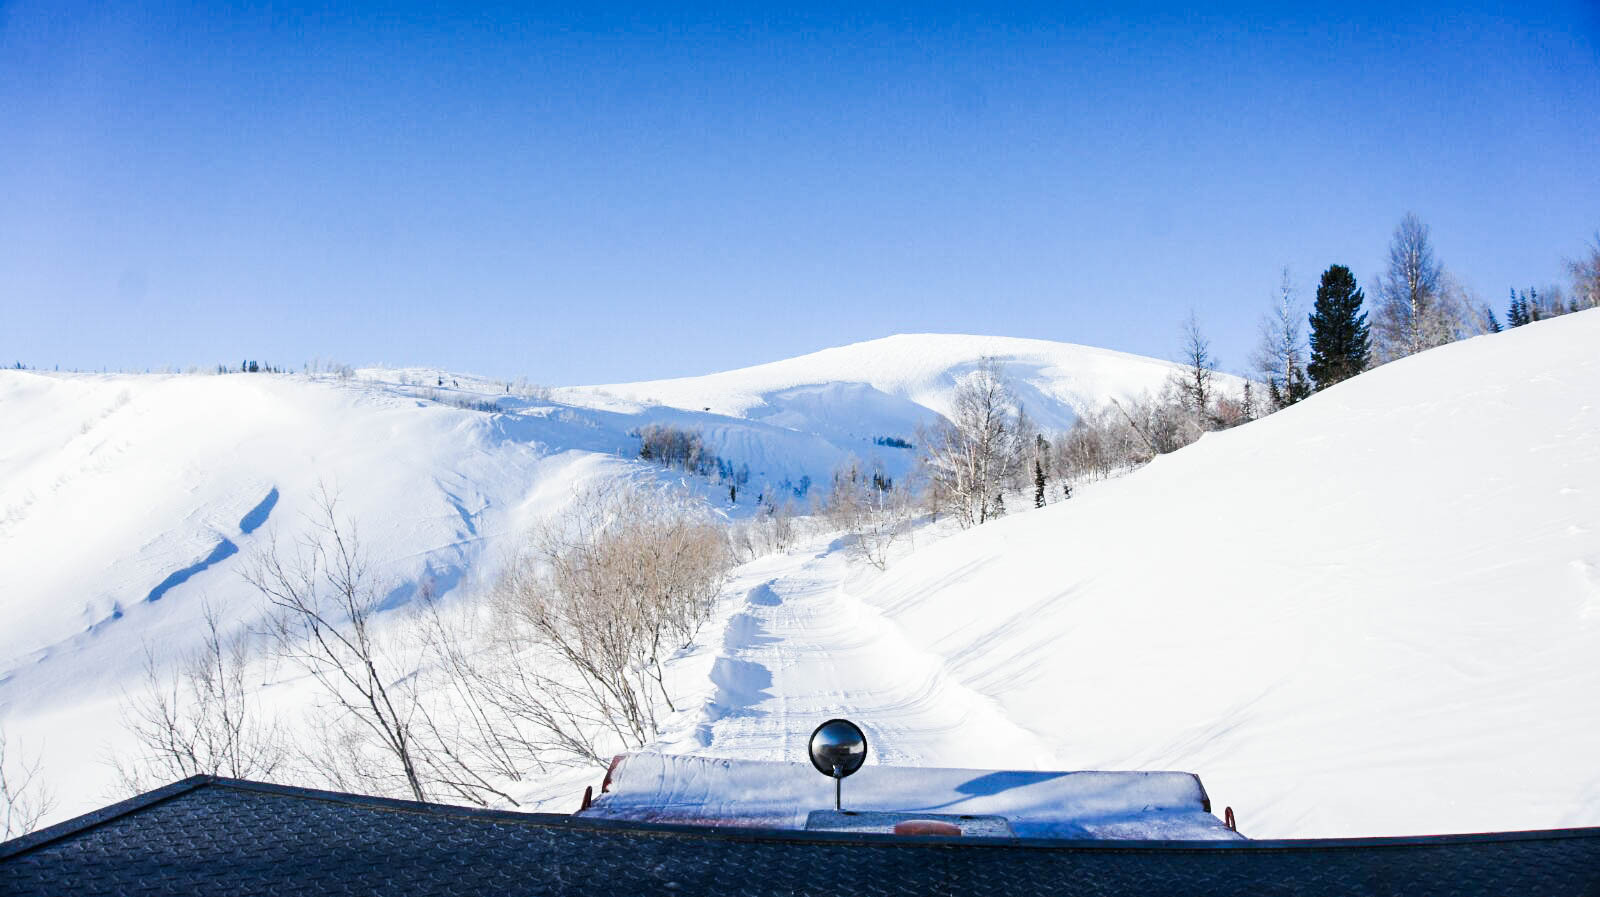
[[1299, 386], [1341, 344], [1493, 322], [1517, 312], [1038, 483]]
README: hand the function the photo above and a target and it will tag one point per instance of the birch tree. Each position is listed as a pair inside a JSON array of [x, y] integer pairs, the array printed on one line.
[[1418, 305], [1585, 271], [972, 455], [1280, 357]]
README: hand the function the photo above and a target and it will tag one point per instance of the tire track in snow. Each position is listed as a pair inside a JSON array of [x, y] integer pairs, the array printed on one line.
[[802, 649]]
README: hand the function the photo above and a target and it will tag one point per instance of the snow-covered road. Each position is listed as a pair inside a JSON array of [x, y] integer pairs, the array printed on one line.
[[801, 648]]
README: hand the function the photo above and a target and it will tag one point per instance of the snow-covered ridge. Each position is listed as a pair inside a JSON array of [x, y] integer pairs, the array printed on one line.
[[901, 379]]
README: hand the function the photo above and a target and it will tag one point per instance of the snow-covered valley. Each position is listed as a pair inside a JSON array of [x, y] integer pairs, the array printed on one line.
[[1376, 612]]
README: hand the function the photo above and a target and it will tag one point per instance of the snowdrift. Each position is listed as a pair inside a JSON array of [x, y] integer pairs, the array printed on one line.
[[1376, 612]]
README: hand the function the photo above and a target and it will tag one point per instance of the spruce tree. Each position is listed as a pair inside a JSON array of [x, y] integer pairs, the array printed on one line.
[[1494, 322], [1517, 311], [1341, 343], [1038, 484]]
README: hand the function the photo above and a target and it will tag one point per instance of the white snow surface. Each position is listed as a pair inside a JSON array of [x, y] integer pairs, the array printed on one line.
[[1377, 612], [1374, 613], [890, 385], [654, 787], [129, 502]]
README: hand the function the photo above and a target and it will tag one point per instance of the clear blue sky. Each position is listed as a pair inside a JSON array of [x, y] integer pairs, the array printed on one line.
[[589, 198]]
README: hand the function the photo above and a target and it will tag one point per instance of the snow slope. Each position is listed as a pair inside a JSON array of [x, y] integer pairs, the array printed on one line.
[[888, 386], [1377, 612], [128, 502]]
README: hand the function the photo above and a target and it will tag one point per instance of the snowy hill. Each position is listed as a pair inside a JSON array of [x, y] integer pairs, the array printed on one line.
[[1377, 612], [127, 502], [888, 386]]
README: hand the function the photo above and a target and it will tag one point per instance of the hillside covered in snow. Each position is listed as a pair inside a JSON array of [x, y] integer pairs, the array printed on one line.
[[1375, 612], [129, 503]]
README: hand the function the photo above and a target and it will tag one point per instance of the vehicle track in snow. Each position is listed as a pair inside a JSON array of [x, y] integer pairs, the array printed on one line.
[[802, 649]]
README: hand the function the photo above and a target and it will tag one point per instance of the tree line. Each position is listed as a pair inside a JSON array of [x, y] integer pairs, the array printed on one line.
[[986, 448], [1418, 305]]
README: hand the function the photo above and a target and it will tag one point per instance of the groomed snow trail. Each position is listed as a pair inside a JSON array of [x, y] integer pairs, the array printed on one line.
[[801, 649]]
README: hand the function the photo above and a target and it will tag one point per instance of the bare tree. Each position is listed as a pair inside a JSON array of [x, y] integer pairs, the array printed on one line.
[[25, 800], [1280, 356], [1585, 271], [1418, 305], [1194, 382], [976, 452], [510, 716], [326, 603], [200, 717]]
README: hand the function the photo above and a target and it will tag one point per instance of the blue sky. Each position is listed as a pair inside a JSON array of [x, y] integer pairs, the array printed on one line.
[[587, 198]]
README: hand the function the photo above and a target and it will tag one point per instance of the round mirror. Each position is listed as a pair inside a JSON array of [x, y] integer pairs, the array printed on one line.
[[838, 748]]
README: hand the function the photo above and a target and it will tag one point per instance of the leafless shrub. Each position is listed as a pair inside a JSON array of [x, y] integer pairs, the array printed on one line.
[[609, 591], [25, 799], [678, 447], [771, 529], [528, 390], [866, 503], [1125, 435], [200, 717]]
